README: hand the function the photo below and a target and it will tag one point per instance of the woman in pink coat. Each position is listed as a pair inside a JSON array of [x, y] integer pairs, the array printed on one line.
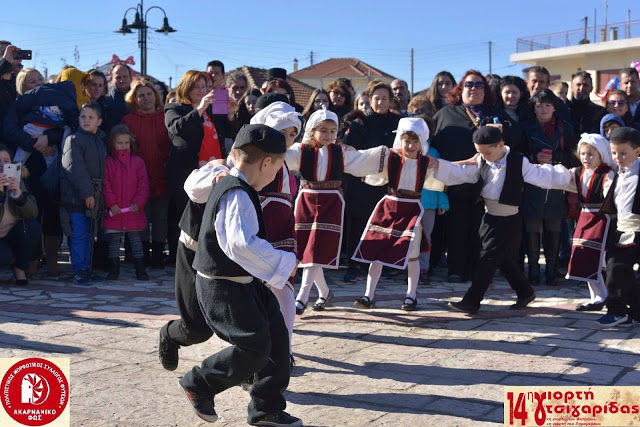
[[126, 190]]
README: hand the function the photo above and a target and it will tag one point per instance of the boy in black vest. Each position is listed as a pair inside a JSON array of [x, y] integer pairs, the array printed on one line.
[[232, 261], [623, 198], [500, 174]]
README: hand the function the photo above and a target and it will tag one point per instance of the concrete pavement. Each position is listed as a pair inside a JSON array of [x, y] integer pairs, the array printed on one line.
[[354, 367]]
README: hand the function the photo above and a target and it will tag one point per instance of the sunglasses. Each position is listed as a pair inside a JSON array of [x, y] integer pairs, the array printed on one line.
[[477, 85], [620, 102], [338, 93]]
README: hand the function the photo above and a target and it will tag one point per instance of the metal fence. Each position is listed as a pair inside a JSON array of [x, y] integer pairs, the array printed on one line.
[[614, 31]]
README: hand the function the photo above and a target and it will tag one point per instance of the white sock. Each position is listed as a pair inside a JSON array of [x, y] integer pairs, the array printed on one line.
[[413, 270], [598, 291], [287, 308], [305, 286], [375, 269], [321, 283]]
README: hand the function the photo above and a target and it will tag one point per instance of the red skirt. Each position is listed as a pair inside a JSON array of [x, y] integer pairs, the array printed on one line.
[[319, 216], [279, 224], [391, 232], [588, 246]]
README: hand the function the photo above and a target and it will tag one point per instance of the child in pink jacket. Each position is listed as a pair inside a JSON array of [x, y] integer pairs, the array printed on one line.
[[126, 190]]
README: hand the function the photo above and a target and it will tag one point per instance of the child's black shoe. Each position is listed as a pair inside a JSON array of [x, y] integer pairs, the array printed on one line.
[[202, 406]]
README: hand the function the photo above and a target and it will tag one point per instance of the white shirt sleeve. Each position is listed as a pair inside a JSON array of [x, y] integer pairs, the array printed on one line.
[[552, 177], [293, 157], [198, 184], [364, 162], [379, 178], [237, 231], [452, 174]]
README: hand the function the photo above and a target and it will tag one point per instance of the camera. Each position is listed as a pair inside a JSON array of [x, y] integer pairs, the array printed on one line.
[[22, 54]]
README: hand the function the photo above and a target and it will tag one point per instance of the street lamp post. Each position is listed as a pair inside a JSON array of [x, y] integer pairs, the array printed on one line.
[[140, 23]]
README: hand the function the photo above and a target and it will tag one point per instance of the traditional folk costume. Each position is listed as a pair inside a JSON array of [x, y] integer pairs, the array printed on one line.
[[277, 210], [500, 184], [590, 236], [233, 262], [319, 209], [393, 235], [623, 246]]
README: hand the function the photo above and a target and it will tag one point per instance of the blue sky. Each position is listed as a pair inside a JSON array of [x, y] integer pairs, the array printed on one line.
[[271, 34]]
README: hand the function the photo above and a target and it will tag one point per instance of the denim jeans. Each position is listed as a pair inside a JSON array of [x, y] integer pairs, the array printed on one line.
[[81, 241]]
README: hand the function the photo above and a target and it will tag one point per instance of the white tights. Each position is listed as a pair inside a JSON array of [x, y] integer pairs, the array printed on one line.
[[311, 275], [375, 269], [597, 291], [287, 308]]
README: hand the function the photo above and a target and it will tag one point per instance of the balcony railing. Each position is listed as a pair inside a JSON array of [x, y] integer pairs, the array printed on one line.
[[614, 31]]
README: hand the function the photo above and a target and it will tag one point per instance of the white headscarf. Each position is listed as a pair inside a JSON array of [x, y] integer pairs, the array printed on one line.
[[278, 115], [317, 117], [419, 127], [601, 144]]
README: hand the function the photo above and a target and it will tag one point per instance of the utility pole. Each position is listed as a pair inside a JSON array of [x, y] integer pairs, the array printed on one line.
[[595, 24], [490, 57], [311, 56], [411, 71]]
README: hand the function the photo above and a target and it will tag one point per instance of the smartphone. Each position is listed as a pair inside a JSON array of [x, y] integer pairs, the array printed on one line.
[[12, 170], [221, 104], [22, 54]]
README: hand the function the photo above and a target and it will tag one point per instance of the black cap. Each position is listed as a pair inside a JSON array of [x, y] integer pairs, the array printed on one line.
[[270, 98], [277, 73], [264, 137], [487, 135], [626, 135]]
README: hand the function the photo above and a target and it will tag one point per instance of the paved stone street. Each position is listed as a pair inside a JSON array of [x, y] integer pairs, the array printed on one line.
[[354, 367]]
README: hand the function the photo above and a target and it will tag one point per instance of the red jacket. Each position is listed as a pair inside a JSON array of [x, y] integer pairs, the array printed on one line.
[[125, 182], [154, 145]]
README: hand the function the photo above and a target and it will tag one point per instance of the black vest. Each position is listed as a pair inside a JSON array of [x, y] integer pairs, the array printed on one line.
[[210, 259], [309, 162], [511, 193], [192, 219], [609, 205], [596, 195], [395, 167]]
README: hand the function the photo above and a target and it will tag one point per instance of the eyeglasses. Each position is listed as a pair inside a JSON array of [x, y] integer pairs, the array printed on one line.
[[620, 102], [338, 93], [477, 85]]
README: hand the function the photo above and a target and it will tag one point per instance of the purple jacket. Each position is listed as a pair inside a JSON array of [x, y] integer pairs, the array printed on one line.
[[125, 182]]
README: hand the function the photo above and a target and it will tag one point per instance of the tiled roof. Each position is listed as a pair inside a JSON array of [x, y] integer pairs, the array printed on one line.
[[257, 76], [340, 67]]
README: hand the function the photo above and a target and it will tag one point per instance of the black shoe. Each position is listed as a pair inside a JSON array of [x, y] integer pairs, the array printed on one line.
[[523, 302], [300, 310], [202, 406], [167, 350], [114, 268], [590, 306], [465, 307], [322, 302], [411, 306], [455, 278], [141, 273], [278, 419], [363, 302]]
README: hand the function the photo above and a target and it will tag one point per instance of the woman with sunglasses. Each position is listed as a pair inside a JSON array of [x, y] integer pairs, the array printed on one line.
[[340, 97], [471, 104], [618, 104]]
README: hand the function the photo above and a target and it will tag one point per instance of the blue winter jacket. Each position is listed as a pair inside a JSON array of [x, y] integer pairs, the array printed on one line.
[[434, 199]]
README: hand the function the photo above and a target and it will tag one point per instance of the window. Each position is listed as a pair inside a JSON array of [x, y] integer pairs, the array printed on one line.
[[603, 78]]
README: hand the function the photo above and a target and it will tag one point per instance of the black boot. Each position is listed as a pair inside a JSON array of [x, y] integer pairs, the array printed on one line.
[[533, 254], [100, 253], [146, 252], [551, 251], [114, 268], [157, 255], [141, 273]]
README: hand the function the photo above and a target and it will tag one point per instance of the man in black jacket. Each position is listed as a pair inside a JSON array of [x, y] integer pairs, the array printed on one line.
[[630, 83], [585, 115]]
